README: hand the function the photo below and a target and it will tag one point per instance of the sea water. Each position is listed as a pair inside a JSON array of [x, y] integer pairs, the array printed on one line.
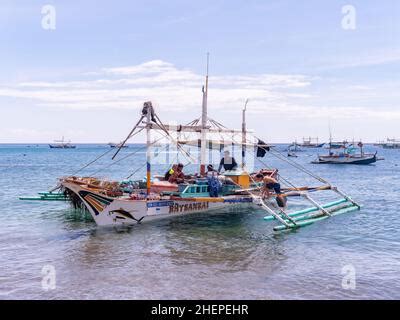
[[49, 251]]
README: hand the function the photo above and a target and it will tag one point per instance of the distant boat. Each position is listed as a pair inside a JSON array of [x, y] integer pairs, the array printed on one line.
[[391, 144], [117, 145], [311, 143], [379, 143], [294, 147], [62, 144], [337, 145], [347, 155]]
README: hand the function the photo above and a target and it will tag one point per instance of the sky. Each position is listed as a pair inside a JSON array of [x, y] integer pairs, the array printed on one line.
[[305, 66]]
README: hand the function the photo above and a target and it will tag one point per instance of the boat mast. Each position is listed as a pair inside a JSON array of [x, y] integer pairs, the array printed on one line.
[[203, 150], [148, 166], [244, 133]]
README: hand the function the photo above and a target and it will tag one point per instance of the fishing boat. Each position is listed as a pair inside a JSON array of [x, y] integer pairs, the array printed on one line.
[[346, 154], [117, 145], [292, 149], [62, 144], [337, 144], [133, 202], [391, 144], [311, 143], [294, 146], [379, 143]]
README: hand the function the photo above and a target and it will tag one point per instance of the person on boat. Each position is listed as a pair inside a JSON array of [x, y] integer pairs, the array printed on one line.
[[214, 183], [178, 176], [270, 184], [170, 172], [228, 162], [211, 172]]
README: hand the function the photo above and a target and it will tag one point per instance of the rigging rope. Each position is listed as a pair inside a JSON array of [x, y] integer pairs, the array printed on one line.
[[282, 157], [128, 137], [127, 156], [178, 144], [294, 164], [142, 148], [285, 180], [144, 165], [99, 157], [217, 124]]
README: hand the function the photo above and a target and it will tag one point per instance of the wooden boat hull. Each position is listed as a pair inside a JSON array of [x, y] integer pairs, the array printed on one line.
[[346, 160], [108, 211], [52, 146], [311, 145]]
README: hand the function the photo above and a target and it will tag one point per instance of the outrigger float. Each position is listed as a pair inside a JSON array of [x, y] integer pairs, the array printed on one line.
[[48, 196], [130, 202]]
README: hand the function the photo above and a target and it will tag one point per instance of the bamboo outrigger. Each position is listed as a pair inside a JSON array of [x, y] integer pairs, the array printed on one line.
[[136, 201]]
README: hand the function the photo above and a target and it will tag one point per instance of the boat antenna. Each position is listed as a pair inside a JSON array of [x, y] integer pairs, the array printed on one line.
[[148, 111], [330, 137], [203, 150], [244, 133]]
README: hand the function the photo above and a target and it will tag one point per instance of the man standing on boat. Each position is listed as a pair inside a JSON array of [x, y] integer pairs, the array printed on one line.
[[211, 172], [214, 183], [270, 184], [228, 162]]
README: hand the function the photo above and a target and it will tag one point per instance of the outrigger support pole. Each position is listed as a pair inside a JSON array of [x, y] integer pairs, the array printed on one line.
[[273, 213], [287, 216], [345, 196], [316, 204]]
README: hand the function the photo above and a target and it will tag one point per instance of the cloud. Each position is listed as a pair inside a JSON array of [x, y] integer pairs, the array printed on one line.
[[150, 67], [179, 90], [366, 59], [171, 88]]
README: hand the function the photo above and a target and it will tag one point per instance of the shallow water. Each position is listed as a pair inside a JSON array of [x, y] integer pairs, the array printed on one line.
[[214, 256]]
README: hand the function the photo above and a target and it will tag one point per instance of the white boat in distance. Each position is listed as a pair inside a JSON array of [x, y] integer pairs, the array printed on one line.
[[391, 144], [311, 143], [62, 144]]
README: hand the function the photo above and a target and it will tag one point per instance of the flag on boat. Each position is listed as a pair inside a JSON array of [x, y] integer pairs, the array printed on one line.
[[262, 149]]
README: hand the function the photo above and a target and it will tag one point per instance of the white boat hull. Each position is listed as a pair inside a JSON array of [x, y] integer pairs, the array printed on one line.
[[108, 211], [365, 159]]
